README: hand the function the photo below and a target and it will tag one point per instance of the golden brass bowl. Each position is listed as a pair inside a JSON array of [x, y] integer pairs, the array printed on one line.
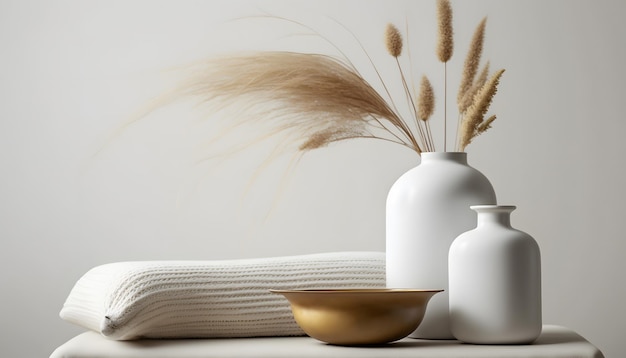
[[358, 316]]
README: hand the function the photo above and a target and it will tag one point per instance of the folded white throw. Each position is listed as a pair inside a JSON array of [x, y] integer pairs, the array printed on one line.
[[230, 298]]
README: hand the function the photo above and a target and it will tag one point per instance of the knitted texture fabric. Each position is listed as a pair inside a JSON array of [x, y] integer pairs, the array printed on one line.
[[201, 299]]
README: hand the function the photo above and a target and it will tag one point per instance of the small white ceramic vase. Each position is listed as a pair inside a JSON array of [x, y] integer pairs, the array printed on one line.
[[495, 281], [427, 208]]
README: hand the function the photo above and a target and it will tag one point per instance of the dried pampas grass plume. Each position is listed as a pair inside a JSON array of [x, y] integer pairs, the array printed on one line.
[[468, 97], [316, 99], [445, 44], [475, 114], [482, 77], [393, 40], [485, 125], [472, 61]]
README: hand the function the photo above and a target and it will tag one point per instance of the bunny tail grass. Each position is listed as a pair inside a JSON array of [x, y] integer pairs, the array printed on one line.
[[393, 40]]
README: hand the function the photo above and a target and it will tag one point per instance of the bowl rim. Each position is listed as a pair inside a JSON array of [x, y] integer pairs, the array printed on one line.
[[356, 290]]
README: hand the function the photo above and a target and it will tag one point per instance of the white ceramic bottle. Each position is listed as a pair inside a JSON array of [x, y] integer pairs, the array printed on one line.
[[427, 208], [495, 281]]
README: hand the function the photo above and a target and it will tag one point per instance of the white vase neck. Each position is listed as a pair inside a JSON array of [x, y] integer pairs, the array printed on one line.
[[458, 157], [494, 214]]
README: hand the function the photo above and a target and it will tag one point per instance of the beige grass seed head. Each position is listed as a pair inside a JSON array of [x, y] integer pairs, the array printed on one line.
[[426, 100], [468, 97], [476, 112], [485, 125], [472, 61], [393, 40], [445, 43]]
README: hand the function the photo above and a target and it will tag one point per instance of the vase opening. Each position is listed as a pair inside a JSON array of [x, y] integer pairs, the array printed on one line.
[[460, 157], [494, 214]]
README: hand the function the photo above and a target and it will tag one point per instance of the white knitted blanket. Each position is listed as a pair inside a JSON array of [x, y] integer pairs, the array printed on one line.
[[184, 299]]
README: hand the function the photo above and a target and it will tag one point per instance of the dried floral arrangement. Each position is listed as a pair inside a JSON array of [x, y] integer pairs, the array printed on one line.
[[316, 99]]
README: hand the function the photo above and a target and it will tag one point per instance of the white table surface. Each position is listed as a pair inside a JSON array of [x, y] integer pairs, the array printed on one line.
[[555, 341]]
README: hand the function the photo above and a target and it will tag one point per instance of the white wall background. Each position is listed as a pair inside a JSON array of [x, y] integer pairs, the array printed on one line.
[[72, 72]]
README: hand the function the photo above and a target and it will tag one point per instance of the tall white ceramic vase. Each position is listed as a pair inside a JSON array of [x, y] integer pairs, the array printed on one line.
[[427, 208], [495, 282]]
